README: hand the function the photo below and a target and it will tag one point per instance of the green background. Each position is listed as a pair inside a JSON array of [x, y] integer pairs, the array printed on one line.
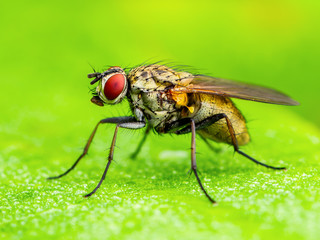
[[46, 116]]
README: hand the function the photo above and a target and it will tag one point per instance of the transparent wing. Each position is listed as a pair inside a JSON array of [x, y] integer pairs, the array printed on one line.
[[228, 88]]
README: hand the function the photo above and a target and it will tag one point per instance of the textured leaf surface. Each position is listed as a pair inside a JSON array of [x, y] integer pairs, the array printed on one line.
[[153, 194]]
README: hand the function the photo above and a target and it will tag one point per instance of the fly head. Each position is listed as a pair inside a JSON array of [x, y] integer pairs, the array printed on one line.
[[112, 86]]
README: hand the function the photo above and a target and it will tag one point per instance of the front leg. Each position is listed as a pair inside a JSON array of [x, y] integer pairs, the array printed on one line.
[[115, 120], [122, 122], [129, 125]]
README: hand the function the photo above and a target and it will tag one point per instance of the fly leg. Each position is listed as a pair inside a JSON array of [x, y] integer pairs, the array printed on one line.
[[207, 122], [136, 152], [193, 160], [129, 125], [188, 123], [115, 120]]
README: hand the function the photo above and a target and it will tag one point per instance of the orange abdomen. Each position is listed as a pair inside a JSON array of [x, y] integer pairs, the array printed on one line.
[[219, 132]]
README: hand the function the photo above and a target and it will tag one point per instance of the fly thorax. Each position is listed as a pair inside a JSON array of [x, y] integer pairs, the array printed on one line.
[[156, 77], [150, 91], [158, 107]]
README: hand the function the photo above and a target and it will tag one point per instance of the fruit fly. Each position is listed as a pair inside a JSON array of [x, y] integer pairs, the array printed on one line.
[[178, 102]]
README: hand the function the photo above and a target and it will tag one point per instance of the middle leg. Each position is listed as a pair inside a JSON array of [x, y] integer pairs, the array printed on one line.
[[136, 152], [190, 124], [193, 160]]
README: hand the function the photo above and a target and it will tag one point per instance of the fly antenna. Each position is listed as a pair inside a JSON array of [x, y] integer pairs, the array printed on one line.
[[96, 75]]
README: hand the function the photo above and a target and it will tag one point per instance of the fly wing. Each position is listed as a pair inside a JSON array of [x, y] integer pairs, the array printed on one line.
[[228, 88]]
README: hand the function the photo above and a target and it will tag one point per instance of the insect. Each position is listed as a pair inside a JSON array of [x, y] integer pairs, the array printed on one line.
[[172, 101]]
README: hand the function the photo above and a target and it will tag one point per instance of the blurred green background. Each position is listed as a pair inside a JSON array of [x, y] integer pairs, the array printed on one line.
[[46, 116]]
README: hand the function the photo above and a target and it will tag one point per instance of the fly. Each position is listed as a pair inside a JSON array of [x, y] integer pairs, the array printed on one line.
[[170, 101]]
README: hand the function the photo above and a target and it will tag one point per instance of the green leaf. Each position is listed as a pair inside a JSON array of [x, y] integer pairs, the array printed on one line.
[[153, 195]]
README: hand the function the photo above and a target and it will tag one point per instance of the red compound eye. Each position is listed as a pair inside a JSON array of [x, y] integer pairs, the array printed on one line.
[[114, 86]]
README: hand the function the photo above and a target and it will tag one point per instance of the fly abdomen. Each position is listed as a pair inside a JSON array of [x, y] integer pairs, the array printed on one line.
[[218, 131]]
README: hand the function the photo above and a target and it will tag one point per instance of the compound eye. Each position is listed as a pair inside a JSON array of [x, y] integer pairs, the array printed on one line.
[[114, 86]]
